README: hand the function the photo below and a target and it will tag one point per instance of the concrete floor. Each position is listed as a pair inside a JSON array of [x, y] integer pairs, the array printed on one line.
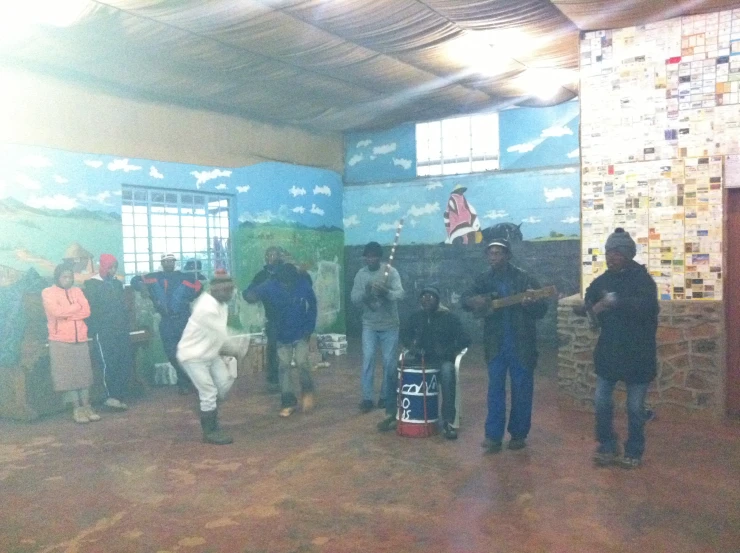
[[329, 482]]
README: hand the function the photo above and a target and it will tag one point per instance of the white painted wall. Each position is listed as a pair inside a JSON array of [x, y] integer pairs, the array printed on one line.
[[44, 111]]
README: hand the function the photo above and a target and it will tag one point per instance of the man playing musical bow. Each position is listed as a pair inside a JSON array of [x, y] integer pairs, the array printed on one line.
[[510, 338], [376, 290]]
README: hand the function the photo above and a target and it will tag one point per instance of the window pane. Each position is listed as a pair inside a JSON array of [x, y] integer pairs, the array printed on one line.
[[156, 213], [456, 168], [456, 138]]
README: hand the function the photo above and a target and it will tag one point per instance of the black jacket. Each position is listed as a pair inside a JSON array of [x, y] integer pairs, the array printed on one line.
[[626, 349], [440, 334], [523, 318], [108, 313]]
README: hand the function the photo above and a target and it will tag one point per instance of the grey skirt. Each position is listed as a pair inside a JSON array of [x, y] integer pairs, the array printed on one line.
[[70, 366]]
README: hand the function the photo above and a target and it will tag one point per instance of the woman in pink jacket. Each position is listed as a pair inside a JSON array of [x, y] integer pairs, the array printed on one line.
[[71, 371]]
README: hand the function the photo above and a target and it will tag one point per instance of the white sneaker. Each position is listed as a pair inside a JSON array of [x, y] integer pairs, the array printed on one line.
[[113, 403]]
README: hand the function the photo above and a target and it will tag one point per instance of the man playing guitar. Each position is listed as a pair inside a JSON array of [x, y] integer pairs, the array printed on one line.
[[510, 338]]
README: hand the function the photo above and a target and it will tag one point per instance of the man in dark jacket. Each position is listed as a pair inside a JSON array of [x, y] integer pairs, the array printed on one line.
[[171, 292], [624, 300], [510, 337], [294, 302], [273, 259], [109, 328], [438, 335]]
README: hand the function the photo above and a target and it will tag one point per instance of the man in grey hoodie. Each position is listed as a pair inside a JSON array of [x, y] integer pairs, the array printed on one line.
[[376, 291]]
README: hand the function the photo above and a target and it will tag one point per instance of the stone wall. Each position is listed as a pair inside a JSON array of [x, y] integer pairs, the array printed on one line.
[[691, 359]]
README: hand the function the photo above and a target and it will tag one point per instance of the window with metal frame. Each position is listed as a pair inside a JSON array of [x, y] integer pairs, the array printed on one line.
[[458, 145], [192, 225]]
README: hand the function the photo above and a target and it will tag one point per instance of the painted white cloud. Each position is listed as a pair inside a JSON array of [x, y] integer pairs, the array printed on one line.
[[384, 149], [242, 189], [95, 164], [552, 194], [57, 201], [573, 153], [427, 209], [524, 148], [496, 214], [401, 162], [373, 157], [351, 221], [413, 223], [122, 165], [36, 161], [101, 198], [325, 190], [154, 173], [556, 132], [295, 191], [433, 185], [222, 186], [27, 182], [60, 179], [382, 227], [355, 159], [316, 210], [203, 177], [364, 143], [570, 220], [299, 209], [531, 220], [385, 208]]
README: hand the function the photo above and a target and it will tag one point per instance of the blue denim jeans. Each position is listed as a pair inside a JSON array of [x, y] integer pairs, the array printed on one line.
[[388, 340], [522, 393], [447, 381], [636, 417]]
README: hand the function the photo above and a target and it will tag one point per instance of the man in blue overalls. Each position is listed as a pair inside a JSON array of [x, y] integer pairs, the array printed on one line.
[[510, 337], [171, 293]]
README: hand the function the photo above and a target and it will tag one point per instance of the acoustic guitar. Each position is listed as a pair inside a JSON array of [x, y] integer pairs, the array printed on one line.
[[531, 295]]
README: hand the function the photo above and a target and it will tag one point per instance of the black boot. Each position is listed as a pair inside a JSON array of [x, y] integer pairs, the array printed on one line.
[[212, 434]]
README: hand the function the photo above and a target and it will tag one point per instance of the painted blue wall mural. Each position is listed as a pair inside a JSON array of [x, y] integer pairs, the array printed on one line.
[[56, 203], [380, 155], [531, 191], [544, 202], [539, 137]]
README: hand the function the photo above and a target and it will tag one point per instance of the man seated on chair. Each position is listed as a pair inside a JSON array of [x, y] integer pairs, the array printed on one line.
[[437, 335]]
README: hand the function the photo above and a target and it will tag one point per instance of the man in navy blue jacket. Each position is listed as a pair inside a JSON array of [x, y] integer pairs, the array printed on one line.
[[171, 292], [293, 305]]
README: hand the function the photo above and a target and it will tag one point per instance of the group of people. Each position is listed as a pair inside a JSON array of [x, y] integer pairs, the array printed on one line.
[[73, 316], [622, 301]]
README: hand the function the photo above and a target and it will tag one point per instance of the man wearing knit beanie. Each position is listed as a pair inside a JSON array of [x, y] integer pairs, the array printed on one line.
[[625, 302], [109, 328], [199, 353]]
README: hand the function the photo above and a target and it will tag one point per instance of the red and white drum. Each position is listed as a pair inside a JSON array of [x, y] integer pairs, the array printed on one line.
[[418, 400]]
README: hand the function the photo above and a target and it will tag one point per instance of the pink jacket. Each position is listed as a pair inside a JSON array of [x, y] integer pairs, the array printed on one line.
[[66, 311]]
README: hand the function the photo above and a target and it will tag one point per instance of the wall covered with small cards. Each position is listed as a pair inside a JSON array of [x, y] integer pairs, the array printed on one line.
[[660, 111]]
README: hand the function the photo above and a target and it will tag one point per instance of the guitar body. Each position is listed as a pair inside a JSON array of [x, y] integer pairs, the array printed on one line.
[[529, 295]]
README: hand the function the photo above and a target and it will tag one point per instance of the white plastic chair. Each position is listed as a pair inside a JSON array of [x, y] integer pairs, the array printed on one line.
[[458, 359]]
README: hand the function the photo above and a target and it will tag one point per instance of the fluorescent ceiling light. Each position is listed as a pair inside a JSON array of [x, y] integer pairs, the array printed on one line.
[[545, 83], [475, 52]]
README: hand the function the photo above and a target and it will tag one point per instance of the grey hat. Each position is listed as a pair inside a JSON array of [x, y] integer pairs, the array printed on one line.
[[621, 241], [430, 290]]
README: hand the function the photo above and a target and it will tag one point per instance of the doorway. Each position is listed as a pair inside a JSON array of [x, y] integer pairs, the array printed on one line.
[[732, 300]]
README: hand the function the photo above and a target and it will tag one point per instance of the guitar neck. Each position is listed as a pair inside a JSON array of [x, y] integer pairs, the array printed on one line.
[[519, 298]]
